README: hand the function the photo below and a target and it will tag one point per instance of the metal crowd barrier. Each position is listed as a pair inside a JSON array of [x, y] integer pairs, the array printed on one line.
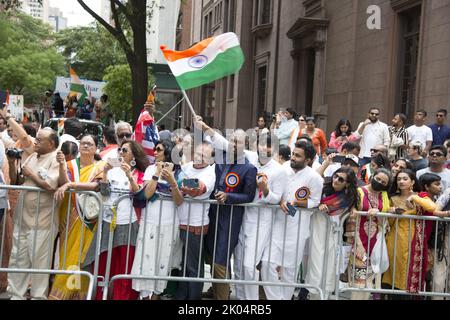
[[393, 290], [108, 283], [21, 227]]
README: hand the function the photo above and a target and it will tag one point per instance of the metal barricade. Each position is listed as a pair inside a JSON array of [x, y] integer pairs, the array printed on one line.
[[159, 271], [388, 226], [35, 222]]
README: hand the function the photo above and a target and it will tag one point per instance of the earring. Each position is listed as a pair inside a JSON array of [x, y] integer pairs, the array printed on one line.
[[133, 163]]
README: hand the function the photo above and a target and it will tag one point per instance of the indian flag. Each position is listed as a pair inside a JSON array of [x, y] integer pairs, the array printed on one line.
[[207, 61], [76, 87]]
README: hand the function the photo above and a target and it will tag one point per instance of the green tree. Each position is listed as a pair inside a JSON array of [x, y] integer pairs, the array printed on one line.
[[29, 61], [130, 30], [90, 50], [119, 90]]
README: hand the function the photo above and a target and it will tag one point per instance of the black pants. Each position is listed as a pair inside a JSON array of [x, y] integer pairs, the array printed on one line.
[[192, 259]]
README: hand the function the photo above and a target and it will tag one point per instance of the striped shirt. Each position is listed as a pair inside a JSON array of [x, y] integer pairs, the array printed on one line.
[[399, 133]]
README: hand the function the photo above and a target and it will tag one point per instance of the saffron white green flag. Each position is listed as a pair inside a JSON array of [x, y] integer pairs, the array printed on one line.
[[76, 87], [207, 61]]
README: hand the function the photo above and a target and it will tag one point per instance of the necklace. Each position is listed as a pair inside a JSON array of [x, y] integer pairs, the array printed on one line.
[[373, 200]]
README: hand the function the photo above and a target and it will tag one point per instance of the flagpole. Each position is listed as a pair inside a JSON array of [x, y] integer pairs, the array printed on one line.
[[167, 113], [189, 103]]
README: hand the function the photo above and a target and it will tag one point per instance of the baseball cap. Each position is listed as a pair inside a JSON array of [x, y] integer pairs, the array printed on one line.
[[352, 159]]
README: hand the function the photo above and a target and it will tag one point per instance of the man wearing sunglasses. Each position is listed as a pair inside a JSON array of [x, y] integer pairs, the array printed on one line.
[[436, 164], [372, 132], [440, 129]]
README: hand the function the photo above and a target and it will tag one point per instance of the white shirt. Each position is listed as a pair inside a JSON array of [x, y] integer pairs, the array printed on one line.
[[285, 130], [198, 215], [159, 212], [290, 233], [119, 185], [421, 134], [445, 176], [373, 134]]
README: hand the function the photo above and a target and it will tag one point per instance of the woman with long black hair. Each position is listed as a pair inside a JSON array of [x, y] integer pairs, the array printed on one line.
[[339, 196]]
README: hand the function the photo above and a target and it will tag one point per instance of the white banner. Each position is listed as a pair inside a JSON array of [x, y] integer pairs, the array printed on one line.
[[15, 106], [93, 88]]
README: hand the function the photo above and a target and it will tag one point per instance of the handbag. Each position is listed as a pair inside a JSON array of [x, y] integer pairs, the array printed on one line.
[[89, 206], [379, 256]]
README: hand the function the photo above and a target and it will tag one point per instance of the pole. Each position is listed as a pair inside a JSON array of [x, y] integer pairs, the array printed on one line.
[[167, 113], [189, 104]]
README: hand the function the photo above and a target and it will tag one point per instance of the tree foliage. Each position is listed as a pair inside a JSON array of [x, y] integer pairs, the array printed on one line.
[[29, 61], [129, 27], [119, 90], [90, 50]]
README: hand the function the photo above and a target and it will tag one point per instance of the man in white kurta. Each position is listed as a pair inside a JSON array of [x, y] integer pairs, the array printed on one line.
[[255, 234], [302, 189]]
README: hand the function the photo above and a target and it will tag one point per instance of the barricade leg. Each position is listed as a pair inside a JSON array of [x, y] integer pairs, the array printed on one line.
[[39, 282], [237, 269], [221, 290], [191, 290], [20, 259], [269, 273], [251, 292]]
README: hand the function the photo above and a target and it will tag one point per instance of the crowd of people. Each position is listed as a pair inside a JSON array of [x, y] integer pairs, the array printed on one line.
[[291, 165]]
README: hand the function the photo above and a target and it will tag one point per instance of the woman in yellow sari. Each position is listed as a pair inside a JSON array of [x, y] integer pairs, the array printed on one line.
[[76, 235]]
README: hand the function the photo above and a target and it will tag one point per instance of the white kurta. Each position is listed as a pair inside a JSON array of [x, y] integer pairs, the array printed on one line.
[[256, 229], [290, 233]]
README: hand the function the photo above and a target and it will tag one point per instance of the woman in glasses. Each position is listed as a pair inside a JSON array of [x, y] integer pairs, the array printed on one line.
[[75, 231], [341, 135], [121, 176], [159, 227], [361, 231], [339, 195], [407, 240]]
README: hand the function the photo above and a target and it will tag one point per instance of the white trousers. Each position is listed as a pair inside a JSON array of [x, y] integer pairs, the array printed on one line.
[[155, 253], [269, 273], [23, 257], [441, 271], [316, 262]]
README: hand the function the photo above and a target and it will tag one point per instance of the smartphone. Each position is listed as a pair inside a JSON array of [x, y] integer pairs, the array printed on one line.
[[292, 210], [168, 165], [115, 162], [191, 183], [329, 151], [338, 159]]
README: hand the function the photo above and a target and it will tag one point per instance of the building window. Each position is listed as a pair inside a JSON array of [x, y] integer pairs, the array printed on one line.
[[408, 58], [231, 87], [261, 91], [262, 13], [229, 16]]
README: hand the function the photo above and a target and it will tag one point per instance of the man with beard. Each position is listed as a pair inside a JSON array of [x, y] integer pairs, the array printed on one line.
[[302, 189], [372, 132], [235, 184], [255, 234]]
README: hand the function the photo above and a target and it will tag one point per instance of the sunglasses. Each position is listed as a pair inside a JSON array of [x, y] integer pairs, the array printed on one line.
[[374, 114], [159, 149], [436, 154], [123, 135], [302, 120], [339, 178], [440, 116], [374, 150], [123, 150]]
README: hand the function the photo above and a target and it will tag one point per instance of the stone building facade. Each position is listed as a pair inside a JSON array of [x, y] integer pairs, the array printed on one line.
[[323, 58]]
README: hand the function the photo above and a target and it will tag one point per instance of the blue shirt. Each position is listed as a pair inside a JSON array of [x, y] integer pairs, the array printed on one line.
[[440, 133]]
